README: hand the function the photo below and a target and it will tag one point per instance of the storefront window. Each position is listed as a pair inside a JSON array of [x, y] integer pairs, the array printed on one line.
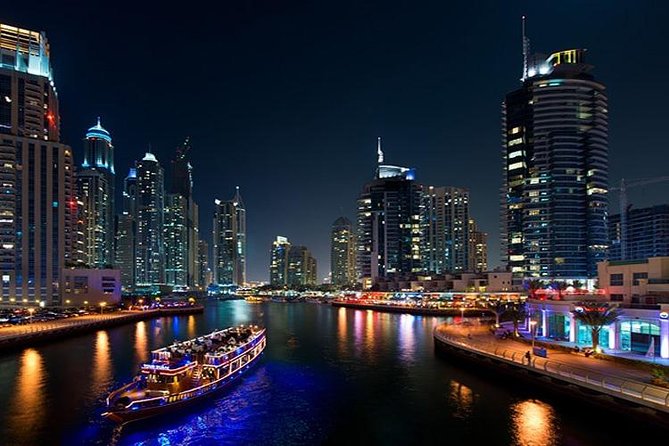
[[636, 336]]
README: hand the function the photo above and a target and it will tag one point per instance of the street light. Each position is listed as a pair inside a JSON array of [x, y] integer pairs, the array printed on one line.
[[102, 306], [462, 313], [532, 325], [31, 311]]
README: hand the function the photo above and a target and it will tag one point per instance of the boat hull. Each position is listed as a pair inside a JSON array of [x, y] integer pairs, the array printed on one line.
[[125, 416]]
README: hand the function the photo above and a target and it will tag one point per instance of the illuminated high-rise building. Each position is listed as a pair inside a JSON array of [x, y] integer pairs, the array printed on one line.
[[176, 240], [182, 223], [477, 252], [301, 269], [445, 230], [555, 161], [342, 253], [95, 188], [204, 271], [150, 205], [230, 241], [126, 232], [38, 207], [278, 267], [388, 224]]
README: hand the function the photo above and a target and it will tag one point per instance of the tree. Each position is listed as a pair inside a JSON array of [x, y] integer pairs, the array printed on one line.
[[596, 315], [532, 286], [560, 287], [577, 284], [516, 312], [498, 307]]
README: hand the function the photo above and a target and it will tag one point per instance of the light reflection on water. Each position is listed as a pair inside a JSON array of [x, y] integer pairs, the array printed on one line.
[[346, 376], [533, 423]]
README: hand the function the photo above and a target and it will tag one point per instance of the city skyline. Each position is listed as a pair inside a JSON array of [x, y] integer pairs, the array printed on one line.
[[429, 125]]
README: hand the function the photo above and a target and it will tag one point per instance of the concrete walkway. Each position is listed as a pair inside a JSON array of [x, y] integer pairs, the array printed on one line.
[[479, 336]]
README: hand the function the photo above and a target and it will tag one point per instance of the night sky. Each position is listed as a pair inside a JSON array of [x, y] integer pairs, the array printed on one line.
[[286, 98]]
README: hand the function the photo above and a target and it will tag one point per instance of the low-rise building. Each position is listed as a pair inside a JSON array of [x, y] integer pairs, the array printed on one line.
[[636, 281], [83, 287]]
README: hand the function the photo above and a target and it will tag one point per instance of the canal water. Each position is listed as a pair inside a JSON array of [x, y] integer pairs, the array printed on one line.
[[328, 376]]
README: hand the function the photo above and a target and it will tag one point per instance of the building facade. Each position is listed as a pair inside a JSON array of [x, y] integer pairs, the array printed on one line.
[[182, 223], [203, 269], [555, 164], [644, 281], [388, 224], [342, 252], [230, 241], [87, 287], [478, 249], [278, 268], [445, 229], [95, 188], [647, 233], [126, 232], [38, 206], [176, 240], [301, 270], [150, 206]]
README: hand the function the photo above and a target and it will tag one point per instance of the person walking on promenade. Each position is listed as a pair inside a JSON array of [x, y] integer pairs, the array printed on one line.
[[528, 356]]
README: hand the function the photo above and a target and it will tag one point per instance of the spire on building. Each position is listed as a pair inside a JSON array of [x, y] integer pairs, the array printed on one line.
[[526, 51], [379, 152]]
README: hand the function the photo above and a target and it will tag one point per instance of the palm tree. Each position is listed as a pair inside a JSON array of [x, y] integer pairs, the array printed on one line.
[[533, 286], [516, 312], [577, 284], [560, 287], [498, 307], [596, 315]]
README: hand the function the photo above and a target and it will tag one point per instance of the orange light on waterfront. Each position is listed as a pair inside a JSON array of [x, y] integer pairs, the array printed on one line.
[[101, 362], [191, 326], [28, 408], [533, 423], [462, 398], [141, 341]]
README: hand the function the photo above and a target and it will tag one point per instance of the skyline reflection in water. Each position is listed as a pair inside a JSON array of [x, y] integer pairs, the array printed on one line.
[[353, 377]]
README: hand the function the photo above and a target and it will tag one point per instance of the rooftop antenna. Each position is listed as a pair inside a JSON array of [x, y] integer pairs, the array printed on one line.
[[379, 152], [526, 51]]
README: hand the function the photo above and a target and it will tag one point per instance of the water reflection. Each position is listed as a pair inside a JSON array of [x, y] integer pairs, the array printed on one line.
[[369, 331], [341, 330], [462, 398], [406, 338], [191, 327], [533, 423], [28, 409], [141, 342], [102, 370]]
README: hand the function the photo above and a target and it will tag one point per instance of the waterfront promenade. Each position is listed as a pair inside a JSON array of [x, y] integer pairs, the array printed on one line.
[[607, 378], [18, 336], [390, 307]]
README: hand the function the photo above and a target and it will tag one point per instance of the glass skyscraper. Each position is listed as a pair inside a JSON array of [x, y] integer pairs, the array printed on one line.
[[342, 253], [150, 204], [388, 225], [95, 188], [38, 208], [230, 241], [647, 233], [555, 162]]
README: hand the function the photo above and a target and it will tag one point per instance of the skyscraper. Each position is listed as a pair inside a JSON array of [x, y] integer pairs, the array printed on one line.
[[478, 249], [38, 207], [388, 224], [445, 232], [342, 253], [182, 223], [95, 187], [126, 232], [278, 268], [150, 246], [230, 241], [176, 240], [204, 272], [555, 161], [647, 233], [301, 270]]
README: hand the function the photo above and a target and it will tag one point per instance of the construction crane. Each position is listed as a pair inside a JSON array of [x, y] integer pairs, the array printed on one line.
[[623, 206]]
